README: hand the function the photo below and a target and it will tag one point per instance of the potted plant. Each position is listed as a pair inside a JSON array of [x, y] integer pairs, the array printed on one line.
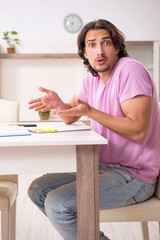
[[44, 115], [11, 40]]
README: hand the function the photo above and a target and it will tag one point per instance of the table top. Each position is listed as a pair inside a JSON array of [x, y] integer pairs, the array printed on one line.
[[82, 137]]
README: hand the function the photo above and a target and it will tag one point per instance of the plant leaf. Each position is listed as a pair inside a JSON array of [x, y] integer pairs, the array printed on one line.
[[9, 38], [14, 33], [5, 34]]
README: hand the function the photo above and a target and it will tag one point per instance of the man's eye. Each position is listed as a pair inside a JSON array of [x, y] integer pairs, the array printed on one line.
[[91, 45], [107, 43]]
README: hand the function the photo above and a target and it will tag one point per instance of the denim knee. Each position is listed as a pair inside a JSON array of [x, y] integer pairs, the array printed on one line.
[[50, 204], [61, 206], [54, 205], [36, 195], [33, 191]]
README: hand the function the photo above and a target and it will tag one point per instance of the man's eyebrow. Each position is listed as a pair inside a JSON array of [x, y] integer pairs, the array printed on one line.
[[103, 38], [106, 38], [91, 40]]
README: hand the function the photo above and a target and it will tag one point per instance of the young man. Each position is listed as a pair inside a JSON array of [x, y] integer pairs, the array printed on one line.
[[119, 96]]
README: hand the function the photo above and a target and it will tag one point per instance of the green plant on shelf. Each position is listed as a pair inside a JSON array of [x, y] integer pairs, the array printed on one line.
[[10, 38]]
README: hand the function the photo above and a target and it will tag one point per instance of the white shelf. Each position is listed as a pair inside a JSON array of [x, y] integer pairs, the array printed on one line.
[[37, 55]]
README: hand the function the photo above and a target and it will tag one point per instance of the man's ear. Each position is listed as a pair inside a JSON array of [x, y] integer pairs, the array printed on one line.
[[85, 54], [117, 51]]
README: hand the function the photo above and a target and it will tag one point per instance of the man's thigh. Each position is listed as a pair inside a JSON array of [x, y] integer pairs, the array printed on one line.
[[118, 187], [51, 181]]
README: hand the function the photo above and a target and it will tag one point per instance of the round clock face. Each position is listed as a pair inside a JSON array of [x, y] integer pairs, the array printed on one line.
[[72, 23]]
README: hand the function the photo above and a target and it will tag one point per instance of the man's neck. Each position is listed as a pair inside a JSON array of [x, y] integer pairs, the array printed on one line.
[[105, 76]]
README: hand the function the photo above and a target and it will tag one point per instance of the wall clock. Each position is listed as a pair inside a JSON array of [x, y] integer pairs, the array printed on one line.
[[72, 23]]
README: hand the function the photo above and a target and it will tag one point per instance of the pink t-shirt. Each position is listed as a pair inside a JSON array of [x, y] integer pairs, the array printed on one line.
[[128, 79]]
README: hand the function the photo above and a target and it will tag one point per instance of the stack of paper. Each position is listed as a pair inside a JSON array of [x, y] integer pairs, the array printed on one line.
[[10, 131]]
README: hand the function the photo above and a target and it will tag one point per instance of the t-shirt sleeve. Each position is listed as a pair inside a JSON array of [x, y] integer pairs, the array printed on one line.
[[134, 80]]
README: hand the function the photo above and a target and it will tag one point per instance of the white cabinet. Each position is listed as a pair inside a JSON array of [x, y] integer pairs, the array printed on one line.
[[147, 52]]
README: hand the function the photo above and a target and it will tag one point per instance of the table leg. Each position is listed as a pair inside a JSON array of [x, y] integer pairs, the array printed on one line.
[[87, 192]]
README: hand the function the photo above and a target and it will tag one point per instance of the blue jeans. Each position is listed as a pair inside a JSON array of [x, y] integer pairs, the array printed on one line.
[[55, 195]]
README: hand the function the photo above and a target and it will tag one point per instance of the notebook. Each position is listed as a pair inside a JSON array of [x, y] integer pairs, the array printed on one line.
[[59, 127], [11, 131]]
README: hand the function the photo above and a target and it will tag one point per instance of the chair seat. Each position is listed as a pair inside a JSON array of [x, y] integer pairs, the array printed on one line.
[[149, 209], [8, 190]]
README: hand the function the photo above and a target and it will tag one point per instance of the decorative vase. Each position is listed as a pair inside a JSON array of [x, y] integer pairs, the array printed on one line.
[[11, 50]]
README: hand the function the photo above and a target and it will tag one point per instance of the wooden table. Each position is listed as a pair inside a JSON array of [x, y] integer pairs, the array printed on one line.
[[56, 152]]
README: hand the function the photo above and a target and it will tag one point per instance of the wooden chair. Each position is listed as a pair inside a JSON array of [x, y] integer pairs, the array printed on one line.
[[141, 212], [8, 194], [8, 183]]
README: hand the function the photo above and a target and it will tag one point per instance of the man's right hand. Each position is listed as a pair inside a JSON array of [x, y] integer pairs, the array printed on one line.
[[48, 102]]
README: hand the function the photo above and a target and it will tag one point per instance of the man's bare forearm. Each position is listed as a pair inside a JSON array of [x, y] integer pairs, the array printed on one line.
[[123, 126]]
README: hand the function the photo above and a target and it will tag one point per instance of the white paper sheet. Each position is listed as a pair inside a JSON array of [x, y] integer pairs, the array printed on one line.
[[10, 131]]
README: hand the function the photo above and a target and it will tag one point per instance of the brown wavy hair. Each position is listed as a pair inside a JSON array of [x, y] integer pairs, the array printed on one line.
[[116, 35]]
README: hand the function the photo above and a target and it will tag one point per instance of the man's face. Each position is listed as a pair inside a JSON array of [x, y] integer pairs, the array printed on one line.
[[99, 50]]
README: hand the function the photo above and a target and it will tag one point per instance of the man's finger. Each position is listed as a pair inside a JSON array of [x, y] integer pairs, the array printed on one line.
[[42, 89], [34, 100]]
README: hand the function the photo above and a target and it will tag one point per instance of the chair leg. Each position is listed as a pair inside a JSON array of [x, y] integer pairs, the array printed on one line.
[[13, 221], [159, 230], [145, 231], [5, 224]]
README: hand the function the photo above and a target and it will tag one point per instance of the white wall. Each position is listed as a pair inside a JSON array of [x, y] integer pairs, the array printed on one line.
[[21, 78], [41, 21]]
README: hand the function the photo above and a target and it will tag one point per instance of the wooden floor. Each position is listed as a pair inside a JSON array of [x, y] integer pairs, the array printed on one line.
[[33, 225]]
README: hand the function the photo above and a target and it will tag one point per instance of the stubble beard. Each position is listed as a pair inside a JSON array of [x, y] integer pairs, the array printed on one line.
[[102, 69], [105, 69]]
